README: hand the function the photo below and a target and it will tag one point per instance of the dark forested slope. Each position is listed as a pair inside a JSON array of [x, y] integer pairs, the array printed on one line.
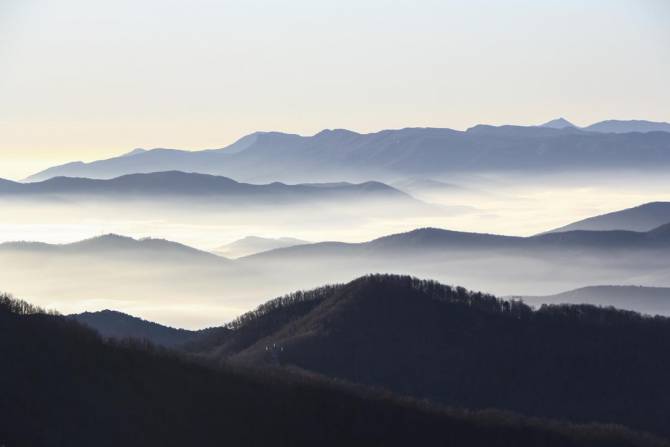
[[427, 340], [113, 324], [61, 385]]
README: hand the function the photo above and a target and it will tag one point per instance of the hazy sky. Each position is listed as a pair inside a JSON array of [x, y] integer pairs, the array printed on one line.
[[86, 79]]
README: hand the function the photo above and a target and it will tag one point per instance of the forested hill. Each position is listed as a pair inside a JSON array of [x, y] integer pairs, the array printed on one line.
[[467, 349], [112, 324], [62, 385]]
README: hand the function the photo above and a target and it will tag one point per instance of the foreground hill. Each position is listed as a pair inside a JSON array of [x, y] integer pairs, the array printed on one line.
[[652, 300], [423, 339], [640, 218], [62, 385], [335, 155], [467, 349]]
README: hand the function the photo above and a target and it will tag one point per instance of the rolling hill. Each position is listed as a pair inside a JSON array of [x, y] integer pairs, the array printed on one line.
[[640, 218], [426, 241], [117, 247], [651, 300], [176, 184]]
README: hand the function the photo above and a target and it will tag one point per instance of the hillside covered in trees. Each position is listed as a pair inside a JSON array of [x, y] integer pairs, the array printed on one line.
[[466, 349], [62, 385]]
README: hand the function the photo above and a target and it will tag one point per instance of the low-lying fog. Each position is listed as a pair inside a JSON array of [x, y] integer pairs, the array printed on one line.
[[493, 204], [194, 296], [202, 293]]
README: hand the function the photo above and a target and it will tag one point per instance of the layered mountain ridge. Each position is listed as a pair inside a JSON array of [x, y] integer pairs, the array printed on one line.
[[335, 155]]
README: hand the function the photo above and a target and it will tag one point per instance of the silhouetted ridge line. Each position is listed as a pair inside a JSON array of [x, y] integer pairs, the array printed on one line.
[[427, 340], [16, 306]]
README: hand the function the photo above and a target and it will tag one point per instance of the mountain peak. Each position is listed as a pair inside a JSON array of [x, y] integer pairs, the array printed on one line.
[[558, 123], [111, 240], [336, 132], [241, 144]]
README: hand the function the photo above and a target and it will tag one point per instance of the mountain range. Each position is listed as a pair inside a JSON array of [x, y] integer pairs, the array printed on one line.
[[336, 155]]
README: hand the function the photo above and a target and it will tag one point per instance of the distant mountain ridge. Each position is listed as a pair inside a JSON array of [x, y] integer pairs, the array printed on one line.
[[416, 241], [505, 264], [114, 244], [176, 184], [436, 239], [612, 126], [254, 244], [651, 300], [640, 218], [335, 155]]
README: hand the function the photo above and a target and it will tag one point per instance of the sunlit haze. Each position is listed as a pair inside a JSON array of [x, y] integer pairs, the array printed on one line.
[[334, 223], [83, 80]]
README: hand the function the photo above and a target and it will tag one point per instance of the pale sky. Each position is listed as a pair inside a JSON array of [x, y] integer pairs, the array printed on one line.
[[89, 79]]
